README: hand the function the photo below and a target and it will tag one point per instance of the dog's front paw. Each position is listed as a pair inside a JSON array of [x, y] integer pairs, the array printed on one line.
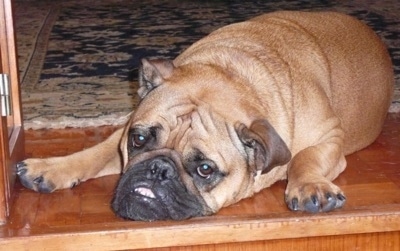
[[43, 176], [314, 197]]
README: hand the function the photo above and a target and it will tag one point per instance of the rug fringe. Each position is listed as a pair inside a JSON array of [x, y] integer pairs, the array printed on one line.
[[65, 122]]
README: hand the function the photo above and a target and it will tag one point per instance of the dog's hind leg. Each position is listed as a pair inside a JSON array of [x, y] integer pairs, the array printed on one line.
[[47, 175]]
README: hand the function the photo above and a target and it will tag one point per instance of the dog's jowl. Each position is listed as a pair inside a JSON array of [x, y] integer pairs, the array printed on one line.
[[285, 95]]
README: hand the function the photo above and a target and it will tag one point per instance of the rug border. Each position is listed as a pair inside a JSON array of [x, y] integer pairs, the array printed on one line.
[[37, 58]]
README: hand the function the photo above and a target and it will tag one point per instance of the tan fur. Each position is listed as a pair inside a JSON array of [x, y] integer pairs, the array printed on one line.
[[323, 81]]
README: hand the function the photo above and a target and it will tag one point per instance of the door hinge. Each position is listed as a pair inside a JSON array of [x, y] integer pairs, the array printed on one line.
[[6, 108]]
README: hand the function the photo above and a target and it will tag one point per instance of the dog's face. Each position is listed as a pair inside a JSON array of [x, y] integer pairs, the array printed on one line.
[[187, 151]]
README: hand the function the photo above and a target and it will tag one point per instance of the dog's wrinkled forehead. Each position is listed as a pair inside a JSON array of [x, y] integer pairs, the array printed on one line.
[[167, 107], [178, 114]]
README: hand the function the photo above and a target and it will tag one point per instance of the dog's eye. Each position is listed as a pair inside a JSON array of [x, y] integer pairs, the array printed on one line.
[[204, 171], [139, 140]]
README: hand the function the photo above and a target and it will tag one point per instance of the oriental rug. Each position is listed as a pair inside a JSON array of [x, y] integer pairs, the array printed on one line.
[[75, 56]]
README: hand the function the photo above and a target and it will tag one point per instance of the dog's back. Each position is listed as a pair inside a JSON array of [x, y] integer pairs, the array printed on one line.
[[343, 55]]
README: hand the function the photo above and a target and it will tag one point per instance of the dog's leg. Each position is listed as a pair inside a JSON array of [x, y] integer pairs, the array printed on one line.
[[47, 175], [310, 173]]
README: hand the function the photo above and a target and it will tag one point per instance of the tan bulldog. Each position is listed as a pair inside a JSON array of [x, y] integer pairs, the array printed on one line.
[[285, 95]]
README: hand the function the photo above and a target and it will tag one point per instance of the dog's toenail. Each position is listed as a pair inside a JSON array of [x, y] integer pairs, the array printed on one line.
[[75, 183], [295, 204], [21, 165], [21, 171], [38, 180], [341, 197], [314, 200]]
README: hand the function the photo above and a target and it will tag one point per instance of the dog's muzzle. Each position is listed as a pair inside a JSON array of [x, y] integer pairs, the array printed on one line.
[[152, 190]]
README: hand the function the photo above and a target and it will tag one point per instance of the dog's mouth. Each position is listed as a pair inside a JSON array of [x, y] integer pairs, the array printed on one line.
[[145, 192]]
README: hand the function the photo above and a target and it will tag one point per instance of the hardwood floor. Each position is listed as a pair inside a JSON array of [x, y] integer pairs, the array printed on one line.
[[81, 219]]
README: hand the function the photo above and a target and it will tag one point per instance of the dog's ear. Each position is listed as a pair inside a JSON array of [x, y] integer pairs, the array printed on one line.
[[263, 145], [152, 73]]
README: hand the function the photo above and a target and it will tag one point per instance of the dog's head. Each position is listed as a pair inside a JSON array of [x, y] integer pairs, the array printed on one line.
[[193, 146]]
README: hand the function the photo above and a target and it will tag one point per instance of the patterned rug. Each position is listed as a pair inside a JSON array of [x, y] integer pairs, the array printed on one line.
[[75, 56]]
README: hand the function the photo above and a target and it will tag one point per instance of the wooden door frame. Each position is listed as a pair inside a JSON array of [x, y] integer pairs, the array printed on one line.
[[3, 163], [11, 131]]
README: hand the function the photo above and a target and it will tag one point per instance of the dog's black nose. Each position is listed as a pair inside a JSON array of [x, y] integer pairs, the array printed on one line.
[[161, 168]]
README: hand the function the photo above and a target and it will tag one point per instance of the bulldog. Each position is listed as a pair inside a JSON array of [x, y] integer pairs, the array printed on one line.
[[285, 95]]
